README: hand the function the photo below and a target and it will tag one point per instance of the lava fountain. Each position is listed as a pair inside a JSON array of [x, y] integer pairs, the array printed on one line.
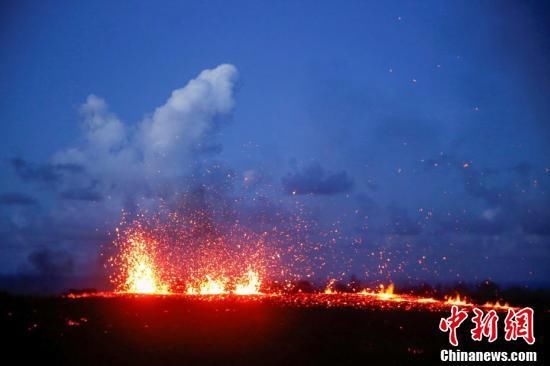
[[250, 285], [138, 266], [152, 257], [210, 286]]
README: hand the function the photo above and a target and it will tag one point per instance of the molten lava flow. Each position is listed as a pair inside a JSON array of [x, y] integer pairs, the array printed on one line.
[[250, 285]]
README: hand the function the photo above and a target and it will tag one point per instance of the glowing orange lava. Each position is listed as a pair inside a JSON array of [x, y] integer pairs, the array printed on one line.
[[330, 287], [383, 293], [174, 254], [497, 305], [142, 279], [457, 300], [139, 267], [210, 286], [250, 285]]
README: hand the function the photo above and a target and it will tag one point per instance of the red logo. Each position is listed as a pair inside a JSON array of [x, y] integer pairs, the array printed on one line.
[[518, 324], [485, 325], [452, 323]]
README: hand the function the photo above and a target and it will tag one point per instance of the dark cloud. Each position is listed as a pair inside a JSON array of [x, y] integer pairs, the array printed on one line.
[[313, 179], [43, 173], [81, 194], [17, 199], [51, 262]]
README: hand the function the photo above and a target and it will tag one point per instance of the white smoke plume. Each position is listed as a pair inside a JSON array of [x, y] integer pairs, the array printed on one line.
[[120, 159]]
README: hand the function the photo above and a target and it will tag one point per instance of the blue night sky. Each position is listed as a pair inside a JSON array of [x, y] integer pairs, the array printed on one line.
[[414, 133]]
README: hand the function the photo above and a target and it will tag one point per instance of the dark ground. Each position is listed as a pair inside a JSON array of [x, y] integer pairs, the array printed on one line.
[[178, 331]]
